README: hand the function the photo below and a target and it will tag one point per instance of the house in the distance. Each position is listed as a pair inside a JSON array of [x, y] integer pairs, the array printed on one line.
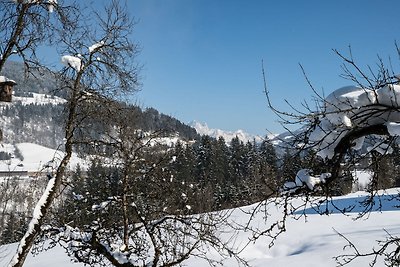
[[6, 89]]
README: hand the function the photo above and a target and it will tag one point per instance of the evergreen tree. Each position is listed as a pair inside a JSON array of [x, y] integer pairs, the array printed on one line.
[[237, 159], [384, 175], [396, 164], [204, 160], [291, 164], [268, 167], [14, 228], [313, 162], [220, 159]]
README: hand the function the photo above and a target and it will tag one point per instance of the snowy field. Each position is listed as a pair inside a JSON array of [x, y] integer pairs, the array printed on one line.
[[39, 99], [35, 157], [309, 243]]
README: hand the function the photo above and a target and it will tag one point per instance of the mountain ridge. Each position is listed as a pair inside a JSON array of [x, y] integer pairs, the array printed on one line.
[[203, 129]]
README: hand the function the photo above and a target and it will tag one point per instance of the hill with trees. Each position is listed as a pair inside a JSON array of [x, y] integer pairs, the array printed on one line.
[[42, 122]]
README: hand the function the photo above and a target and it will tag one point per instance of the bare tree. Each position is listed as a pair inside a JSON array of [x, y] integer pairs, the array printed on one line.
[[348, 118], [132, 227], [99, 61], [346, 130], [26, 25], [133, 221]]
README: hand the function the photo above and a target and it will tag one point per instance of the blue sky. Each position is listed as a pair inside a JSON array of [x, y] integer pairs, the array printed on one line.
[[202, 59]]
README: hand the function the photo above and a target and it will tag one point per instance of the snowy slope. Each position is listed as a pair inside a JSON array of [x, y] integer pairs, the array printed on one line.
[[35, 157], [203, 129], [309, 243], [39, 99]]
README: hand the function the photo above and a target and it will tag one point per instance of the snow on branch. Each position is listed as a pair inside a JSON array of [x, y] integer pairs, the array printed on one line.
[[72, 61], [51, 4], [96, 46], [34, 223], [304, 179], [350, 109]]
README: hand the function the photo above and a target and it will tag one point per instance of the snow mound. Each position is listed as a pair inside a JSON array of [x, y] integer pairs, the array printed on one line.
[[96, 46]]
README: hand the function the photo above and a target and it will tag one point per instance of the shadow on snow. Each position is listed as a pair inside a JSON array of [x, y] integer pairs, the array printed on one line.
[[356, 204]]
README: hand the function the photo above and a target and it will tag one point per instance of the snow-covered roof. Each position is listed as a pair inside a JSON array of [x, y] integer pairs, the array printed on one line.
[[5, 80]]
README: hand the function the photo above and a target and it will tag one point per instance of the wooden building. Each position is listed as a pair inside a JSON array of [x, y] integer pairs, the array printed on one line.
[[6, 89]]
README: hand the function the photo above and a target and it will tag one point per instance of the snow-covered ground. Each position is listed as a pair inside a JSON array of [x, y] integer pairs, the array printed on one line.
[[306, 243], [35, 157], [39, 99], [362, 179]]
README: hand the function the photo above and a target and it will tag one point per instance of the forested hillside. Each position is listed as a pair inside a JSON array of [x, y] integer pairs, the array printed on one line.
[[42, 123]]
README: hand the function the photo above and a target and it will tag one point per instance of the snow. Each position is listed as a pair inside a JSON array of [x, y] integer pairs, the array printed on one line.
[[359, 142], [166, 141], [350, 107], [101, 206], [36, 158], [393, 128], [362, 179], [306, 243], [95, 46], [304, 177], [51, 5], [39, 99], [4, 79], [203, 129], [72, 61], [37, 215]]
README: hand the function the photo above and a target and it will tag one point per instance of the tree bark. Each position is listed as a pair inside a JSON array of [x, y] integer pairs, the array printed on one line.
[[44, 204]]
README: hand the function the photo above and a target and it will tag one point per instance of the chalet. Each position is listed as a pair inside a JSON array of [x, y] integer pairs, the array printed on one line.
[[6, 89]]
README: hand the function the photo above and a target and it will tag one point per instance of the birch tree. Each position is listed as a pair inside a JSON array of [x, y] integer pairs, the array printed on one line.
[[99, 61], [27, 25]]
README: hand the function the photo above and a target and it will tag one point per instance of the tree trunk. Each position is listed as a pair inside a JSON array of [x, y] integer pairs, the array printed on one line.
[[44, 204]]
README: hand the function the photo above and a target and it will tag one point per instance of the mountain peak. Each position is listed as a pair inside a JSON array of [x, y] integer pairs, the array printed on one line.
[[203, 129]]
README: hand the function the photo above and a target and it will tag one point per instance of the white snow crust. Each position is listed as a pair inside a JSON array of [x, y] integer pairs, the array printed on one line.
[[362, 178], [36, 216], [36, 158], [51, 5]]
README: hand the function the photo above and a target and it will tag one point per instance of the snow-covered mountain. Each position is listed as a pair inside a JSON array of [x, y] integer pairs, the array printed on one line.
[[203, 129]]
